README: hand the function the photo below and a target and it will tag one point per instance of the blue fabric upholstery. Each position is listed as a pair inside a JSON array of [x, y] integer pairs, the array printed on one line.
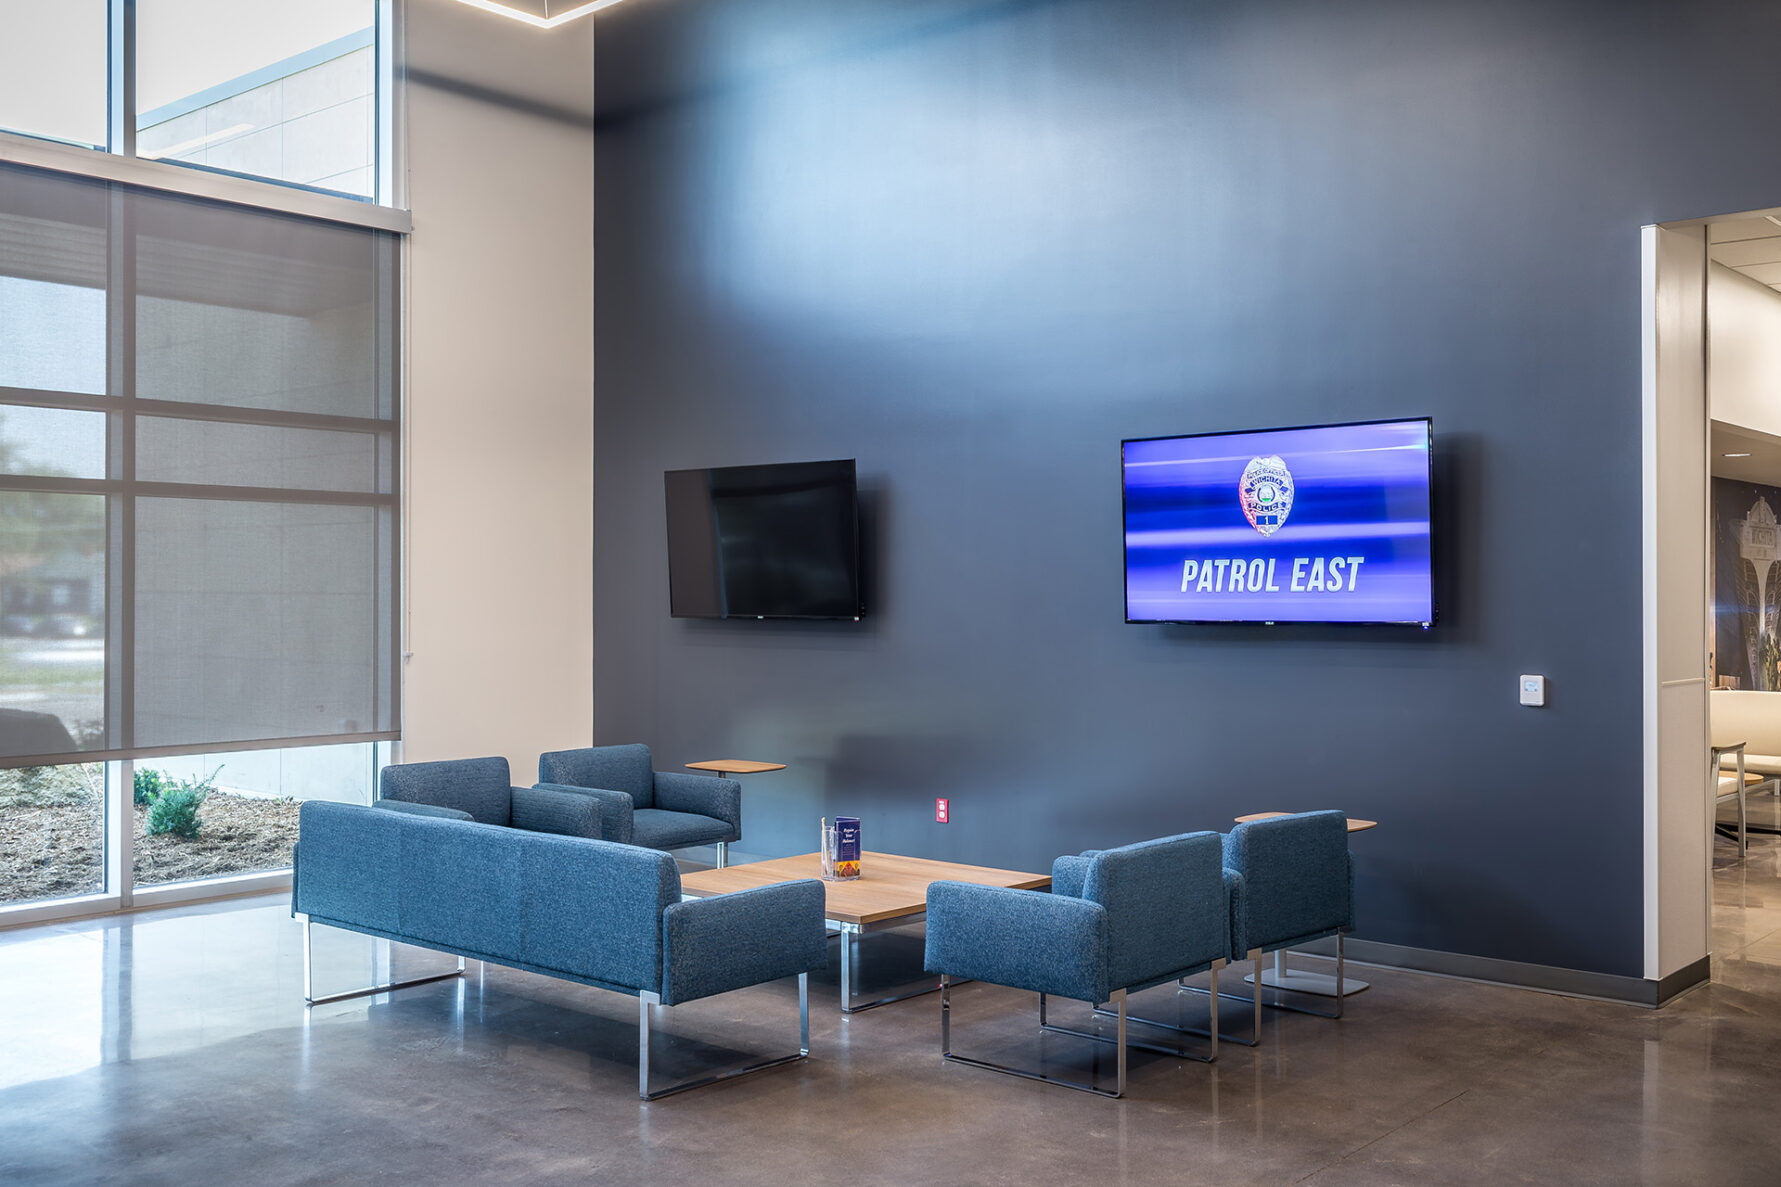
[[571, 907], [615, 768], [615, 810], [566, 813], [1167, 907], [642, 806], [702, 795], [728, 941], [1047, 943], [478, 789], [1297, 879], [655, 829], [1068, 874], [479, 786], [421, 809], [1141, 915]]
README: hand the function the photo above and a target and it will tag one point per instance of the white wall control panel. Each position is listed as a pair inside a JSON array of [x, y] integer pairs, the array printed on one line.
[[1533, 690]]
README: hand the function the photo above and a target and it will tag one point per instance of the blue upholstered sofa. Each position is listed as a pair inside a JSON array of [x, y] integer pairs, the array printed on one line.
[[640, 805], [1116, 921], [586, 910]]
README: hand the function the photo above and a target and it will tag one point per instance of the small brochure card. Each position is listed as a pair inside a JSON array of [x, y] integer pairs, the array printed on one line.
[[847, 846]]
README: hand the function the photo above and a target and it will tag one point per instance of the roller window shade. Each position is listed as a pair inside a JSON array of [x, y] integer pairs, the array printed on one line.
[[198, 475]]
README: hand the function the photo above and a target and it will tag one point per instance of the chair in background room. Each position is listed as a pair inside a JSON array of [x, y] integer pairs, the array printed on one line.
[[640, 805], [1296, 886], [481, 789], [1729, 784], [1116, 922]]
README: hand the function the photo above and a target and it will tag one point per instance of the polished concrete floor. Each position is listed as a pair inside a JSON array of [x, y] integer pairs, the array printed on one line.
[[173, 1048]]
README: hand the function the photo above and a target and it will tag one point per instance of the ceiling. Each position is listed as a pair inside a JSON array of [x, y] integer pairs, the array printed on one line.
[[1749, 245], [1764, 463]]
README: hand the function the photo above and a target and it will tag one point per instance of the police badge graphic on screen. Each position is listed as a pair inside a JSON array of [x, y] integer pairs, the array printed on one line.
[[1267, 493], [1327, 524]]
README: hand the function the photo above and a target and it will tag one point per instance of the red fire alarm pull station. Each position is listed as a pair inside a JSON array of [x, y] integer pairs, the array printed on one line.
[[941, 810]]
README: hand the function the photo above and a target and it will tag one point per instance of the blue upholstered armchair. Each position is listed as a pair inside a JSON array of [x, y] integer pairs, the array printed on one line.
[[640, 805], [480, 789], [1298, 886], [1116, 921]]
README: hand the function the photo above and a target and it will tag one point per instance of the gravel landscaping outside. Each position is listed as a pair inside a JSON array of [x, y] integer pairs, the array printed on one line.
[[52, 839]]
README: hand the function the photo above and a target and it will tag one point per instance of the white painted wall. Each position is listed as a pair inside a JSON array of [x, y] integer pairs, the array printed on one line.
[[1677, 807], [1744, 344], [501, 373]]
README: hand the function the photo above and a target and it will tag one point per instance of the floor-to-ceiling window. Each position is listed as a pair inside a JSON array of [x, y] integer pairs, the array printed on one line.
[[198, 441]]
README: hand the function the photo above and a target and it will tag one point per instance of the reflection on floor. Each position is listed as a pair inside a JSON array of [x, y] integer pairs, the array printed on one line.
[[172, 1047]]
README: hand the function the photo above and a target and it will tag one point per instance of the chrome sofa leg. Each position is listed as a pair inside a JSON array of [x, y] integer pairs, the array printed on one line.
[[646, 1002], [1119, 1060], [946, 1015], [309, 998], [723, 854]]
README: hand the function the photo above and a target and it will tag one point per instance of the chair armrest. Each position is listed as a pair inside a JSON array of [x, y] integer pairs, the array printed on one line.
[[1068, 874], [1027, 939], [1233, 887], [615, 809], [720, 799], [548, 810], [730, 941], [414, 808]]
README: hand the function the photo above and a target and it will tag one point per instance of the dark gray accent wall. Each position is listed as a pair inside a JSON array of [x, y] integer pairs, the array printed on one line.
[[974, 245]]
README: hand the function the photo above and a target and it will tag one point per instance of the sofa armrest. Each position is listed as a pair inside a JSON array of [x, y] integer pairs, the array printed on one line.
[[1026, 939], [720, 799], [415, 808], [548, 810], [615, 809], [730, 941]]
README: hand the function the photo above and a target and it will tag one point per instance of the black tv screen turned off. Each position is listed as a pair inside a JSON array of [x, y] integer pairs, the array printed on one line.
[[775, 541]]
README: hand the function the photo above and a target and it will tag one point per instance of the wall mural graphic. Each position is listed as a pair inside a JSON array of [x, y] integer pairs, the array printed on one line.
[[1746, 586]]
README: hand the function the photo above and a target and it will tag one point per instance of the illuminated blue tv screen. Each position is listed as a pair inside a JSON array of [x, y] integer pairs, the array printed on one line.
[[1325, 524]]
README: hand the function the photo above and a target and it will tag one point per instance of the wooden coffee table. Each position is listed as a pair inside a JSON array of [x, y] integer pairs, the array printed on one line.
[[891, 891]]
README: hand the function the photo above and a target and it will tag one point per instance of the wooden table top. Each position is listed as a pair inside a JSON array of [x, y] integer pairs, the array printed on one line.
[[736, 766], [1751, 778], [1354, 825], [889, 885]]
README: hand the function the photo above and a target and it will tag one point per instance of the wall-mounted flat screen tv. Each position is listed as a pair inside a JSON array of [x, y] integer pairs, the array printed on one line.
[[1324, 524], [780, 541]]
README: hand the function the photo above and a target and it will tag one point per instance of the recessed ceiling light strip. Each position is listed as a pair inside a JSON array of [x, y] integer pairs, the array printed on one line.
[[540, 22]]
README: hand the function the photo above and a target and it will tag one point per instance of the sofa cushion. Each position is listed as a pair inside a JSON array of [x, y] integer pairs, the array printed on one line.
[[653, 828]]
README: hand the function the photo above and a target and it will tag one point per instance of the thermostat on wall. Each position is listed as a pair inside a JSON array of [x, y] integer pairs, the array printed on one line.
[[1533, 690]]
